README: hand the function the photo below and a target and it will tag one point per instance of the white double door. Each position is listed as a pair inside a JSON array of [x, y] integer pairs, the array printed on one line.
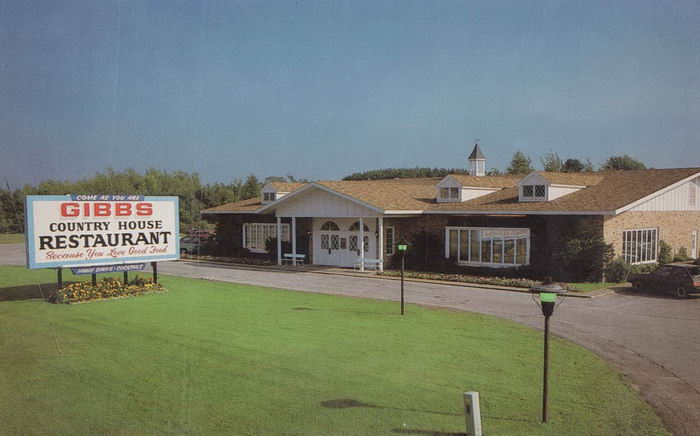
[[336, 241]]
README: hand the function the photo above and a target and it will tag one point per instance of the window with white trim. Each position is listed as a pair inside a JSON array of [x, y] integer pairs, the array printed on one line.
[[489, 246], [269, 197], [449, 193], [640, 245], [534, 192], [255, 235], [389, 241]]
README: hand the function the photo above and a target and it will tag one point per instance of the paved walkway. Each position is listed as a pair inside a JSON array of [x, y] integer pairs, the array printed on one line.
[[654, 341]]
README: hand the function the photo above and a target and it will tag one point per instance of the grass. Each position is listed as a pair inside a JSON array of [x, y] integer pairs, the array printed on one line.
[[11, 238], [219, 358], [588, 287]]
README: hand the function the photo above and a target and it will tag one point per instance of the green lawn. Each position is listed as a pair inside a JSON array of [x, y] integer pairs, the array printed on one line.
[[11, 238], [218, 358], [588, 287]]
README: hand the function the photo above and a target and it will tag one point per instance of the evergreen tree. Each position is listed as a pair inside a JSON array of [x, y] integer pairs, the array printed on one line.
[[519, 164], [251, 188], [552, 162]]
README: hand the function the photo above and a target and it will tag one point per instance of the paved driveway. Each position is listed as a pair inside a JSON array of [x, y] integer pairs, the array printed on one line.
[[654, 341]]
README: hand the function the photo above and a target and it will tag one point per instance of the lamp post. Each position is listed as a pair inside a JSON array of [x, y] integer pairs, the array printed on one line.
[[402, 248], [548, 292]]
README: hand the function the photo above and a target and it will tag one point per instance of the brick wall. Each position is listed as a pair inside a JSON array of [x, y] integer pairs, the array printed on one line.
[[675, 227], [229, 233], [547, 233]]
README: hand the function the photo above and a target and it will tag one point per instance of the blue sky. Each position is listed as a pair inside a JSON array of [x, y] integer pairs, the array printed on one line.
[[323, 89]]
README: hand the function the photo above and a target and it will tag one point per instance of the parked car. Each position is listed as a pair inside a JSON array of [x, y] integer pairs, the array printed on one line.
[[200, 233], [679, 279], [190, 244]]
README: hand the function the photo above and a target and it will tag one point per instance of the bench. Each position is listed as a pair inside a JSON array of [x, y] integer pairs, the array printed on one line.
[[289, 258], [371, 263]]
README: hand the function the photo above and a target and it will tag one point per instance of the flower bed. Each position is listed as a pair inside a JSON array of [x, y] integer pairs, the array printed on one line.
[[239, 260], [496, 281], [105, 289]]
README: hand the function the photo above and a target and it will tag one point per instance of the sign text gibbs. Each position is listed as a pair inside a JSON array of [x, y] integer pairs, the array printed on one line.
[[98, 229]]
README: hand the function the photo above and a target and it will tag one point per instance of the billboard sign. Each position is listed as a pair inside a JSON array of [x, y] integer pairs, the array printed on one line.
[[89, 230]]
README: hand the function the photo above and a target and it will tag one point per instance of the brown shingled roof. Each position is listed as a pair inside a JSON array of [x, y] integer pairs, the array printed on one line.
[[614, 191], [244, 206], [605, 192], [575, 179], [286, 186], [487, 181]]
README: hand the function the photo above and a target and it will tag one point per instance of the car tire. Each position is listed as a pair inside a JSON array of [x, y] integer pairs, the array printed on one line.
[[638, 286], [681, 292]]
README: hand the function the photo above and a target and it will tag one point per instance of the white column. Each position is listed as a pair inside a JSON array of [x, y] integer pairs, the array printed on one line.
[[380, 242], [362, 245], [279, 241], [294, 240]]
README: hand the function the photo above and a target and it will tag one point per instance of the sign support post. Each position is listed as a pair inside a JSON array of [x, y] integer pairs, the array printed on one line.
[[402, 249], [94, 279], [154, 265], [59, 277], [126, 278]]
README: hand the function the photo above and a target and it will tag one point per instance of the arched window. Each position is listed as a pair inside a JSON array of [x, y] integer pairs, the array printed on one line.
[[330, 225], [355, 227]]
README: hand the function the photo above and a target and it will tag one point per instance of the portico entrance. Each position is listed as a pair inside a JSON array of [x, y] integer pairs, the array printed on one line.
[[336, 241]]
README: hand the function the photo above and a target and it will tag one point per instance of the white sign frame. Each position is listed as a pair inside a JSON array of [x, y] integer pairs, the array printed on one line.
[[166, 207]]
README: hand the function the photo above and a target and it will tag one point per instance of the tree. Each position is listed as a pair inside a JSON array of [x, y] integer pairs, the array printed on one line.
[[622, 163], [251, 188], [519, 164], [269, 179], [552, 162], [573, 166], [494, 172]]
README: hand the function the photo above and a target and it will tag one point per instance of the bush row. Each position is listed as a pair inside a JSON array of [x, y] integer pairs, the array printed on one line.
[[465, 278], [107, 288], [225, 259]]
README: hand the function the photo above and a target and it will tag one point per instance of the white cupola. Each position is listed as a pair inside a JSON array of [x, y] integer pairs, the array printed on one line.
[[477, 162]]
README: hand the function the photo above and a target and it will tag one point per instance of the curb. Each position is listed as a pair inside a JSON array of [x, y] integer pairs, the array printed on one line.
[[593, 294]]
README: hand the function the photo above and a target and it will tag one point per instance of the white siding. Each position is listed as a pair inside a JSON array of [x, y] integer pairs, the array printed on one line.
[[471, 193], [675, 199], [316, 202], [559, 191]]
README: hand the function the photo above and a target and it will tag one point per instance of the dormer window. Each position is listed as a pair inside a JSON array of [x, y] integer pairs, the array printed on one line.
[[449, 193], [533, 192], [269, 197]]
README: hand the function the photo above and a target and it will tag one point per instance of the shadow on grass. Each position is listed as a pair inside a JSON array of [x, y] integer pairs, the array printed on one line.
[[28, 292], [347, 403]]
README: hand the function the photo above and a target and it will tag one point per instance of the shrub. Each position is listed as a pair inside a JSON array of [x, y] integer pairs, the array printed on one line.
[[618, 271], [106, 288], [231, 259], [585, 259], [464, 278], [665, 253], [682, 255]]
